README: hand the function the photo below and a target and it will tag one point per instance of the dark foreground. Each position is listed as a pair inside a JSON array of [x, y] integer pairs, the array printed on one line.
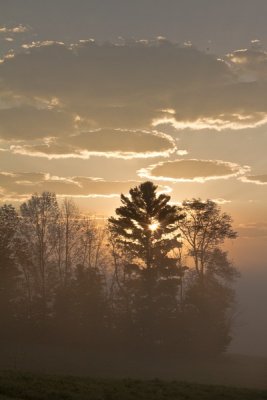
[[228, 370], [20, 386]]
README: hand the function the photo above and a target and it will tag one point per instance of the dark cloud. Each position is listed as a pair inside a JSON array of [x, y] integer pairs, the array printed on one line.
[[250, 64], [21, 123], [136, 84]]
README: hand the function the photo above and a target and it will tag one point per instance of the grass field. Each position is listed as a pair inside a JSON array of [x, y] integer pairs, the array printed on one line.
[[20, 386]]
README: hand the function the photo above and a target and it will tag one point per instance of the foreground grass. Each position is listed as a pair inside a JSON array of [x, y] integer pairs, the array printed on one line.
[[22, 386]]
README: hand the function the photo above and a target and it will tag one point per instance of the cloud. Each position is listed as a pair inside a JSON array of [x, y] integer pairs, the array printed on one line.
[[192, 170], [219, 122], [14, 29], [252, 230], [256, 179], [221, 201], [248, 57], [19, 186], [182, 152], [250, 64], [136, 85], [106, 142], [22, 123]]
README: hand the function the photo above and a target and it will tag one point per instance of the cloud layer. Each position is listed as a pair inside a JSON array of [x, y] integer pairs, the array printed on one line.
[[19, 186], [28, 123], [110, 100], [130, 86]]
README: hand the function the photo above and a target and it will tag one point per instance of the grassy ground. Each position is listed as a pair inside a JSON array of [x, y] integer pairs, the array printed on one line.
[[22, 386], [227, 370]]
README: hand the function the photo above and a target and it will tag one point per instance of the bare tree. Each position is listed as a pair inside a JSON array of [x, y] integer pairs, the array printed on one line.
[[67, 232], [40, 214]]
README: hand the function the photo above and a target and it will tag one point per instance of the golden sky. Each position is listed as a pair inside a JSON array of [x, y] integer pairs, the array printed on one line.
[[91, 119]]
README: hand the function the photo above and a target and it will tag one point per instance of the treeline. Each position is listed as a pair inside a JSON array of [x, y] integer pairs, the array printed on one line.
[[152, 280]]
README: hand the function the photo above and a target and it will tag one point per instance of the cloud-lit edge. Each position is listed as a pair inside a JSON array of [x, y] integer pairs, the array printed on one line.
[[232, 121], [216, 124], [28, 150], [5, 195], [145, 173], [247, 179], [85, 155], [15, 29]]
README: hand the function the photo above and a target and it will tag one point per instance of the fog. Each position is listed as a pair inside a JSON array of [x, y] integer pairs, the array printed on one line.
[[133, 189], [153, 293]]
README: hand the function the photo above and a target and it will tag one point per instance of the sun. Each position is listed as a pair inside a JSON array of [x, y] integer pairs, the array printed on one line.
[[154, 226]]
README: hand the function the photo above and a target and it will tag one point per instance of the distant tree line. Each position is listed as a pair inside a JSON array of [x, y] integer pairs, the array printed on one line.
[[153, 280]]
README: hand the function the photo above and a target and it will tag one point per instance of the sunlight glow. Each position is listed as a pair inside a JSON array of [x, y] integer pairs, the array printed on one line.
[[153, 227]]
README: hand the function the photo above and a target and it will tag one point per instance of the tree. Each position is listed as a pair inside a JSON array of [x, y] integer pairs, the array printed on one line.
[[145, 233], [66, 235], [80, 306], [204, 229], [147, 226], [40, 214], [209, 295], [8, 268]]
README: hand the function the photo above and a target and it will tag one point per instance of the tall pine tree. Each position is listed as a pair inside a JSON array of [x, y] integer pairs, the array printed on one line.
[[146, 232]]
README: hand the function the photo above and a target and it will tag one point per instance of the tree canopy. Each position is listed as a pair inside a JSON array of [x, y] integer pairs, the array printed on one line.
[[147, 226]]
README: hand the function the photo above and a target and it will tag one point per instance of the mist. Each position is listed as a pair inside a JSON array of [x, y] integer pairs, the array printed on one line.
[[147, 293], [133, 192]]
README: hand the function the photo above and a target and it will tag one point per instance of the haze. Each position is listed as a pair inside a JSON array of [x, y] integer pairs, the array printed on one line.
[[97, 97]]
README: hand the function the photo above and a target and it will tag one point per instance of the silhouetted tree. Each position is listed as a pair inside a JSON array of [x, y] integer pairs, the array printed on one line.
[[66, 232], [57, 281], [40, 214], [8, 269], [146, 232], [80, 307], [204, 229], [147, 226], [209, 294]]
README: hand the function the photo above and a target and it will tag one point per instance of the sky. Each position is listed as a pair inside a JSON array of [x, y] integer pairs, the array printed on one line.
[[96, 97]]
